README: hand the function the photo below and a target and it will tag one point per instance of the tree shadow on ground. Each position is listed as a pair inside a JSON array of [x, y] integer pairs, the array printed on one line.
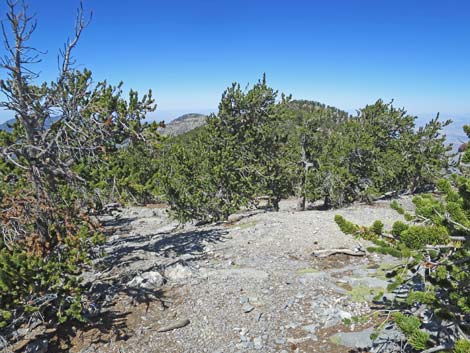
[[110, 326], [192, 242], [109, 322], [168, 244], [106, 321], [117, 225]]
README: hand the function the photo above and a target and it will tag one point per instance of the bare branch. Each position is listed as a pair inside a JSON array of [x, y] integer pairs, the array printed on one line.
[[80, 25]]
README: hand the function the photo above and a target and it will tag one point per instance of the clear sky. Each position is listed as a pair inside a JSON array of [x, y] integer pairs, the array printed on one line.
[[345, 53]]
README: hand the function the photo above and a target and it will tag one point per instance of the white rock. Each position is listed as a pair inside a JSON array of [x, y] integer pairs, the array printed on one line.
[[147, 280], [344, 315], [258, 342], [309, 328], [178, 272], [247, 307]]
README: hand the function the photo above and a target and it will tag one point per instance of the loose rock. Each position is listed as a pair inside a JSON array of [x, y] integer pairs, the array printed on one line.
[[247, 307], [148, 280]]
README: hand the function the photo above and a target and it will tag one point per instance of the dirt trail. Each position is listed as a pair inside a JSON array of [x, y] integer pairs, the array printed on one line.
[[249, 286]]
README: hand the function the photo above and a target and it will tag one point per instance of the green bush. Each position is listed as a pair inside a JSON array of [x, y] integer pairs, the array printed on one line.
[[378, 152], [346, 226], [462, 346], [278, 148], [398, 228], [437, 266], [41, 275], [410, 326], [416, 237], [130, 173], [238, 156], [377, 227]]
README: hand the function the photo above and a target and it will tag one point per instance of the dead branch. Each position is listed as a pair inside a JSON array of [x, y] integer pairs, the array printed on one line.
[[329, 252]]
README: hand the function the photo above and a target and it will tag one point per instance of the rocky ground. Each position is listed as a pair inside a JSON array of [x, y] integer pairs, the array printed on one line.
[[249, 285]]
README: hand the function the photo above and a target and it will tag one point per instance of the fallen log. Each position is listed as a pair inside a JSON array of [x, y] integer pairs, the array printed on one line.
[[173, 326], [329, 252]]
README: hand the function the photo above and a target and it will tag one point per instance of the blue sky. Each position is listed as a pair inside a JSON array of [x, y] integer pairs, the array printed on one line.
[[345, 53]]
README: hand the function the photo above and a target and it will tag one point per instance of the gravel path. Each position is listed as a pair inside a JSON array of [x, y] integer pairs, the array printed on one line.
[[247, 286]]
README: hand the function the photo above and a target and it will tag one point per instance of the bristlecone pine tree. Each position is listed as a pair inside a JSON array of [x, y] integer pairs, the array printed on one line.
[[238, 156], [259, 145], [434, 244], [47, 233], [378, 152]]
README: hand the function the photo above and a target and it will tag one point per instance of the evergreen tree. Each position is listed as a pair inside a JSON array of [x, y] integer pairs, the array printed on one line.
[[434, 244], [377, 152], [312, 127], [48, 231], [238, 156]]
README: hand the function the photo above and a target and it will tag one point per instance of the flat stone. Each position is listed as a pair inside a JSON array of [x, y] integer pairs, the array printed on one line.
[[247, 308], [258, 342], [309, 328], [371, 282], [178, 272], [390, 337], [244, 299], [360, 340], [307, 278]]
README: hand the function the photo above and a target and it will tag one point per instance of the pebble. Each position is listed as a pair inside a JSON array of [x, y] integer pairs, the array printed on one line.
[[309, 328], [289, 303], [247, 308], [243, 299], [258, 343]]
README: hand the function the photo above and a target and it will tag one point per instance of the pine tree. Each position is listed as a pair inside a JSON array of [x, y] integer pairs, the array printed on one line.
[[48, 233], [239, 155], [435, 243]]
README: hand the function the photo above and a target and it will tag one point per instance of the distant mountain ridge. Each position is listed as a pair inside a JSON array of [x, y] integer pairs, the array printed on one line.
[[7, 125], [183, 124], [454, 132], [178, 126], [191, 121]]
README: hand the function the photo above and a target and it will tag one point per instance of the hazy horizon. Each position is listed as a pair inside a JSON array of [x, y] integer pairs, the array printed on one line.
[[454, 132]]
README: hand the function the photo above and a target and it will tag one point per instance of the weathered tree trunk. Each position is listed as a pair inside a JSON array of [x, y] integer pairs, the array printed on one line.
[[275, 203], [301, 203], [327, 202], [303, 192]]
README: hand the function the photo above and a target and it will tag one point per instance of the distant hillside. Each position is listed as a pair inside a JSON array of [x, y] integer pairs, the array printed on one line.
[[7, 125], [176, 127], [454, 132], [184, 124]]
